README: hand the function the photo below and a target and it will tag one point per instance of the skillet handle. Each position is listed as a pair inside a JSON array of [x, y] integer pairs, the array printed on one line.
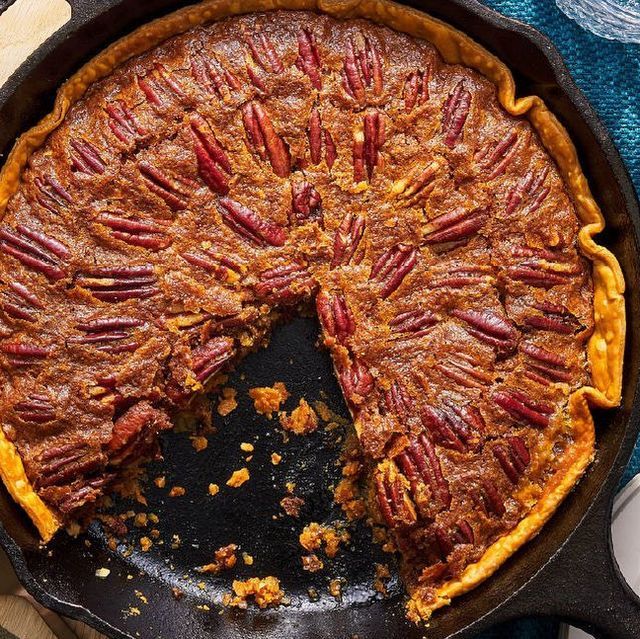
[[582, 584]]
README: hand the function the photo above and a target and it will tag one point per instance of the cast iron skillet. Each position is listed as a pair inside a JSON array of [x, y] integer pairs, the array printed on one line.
[[567, 571]]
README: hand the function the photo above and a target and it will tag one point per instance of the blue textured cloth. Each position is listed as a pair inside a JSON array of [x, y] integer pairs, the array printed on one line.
[[609, 74]]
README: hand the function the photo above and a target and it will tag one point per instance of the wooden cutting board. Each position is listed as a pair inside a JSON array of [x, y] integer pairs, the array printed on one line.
[[24, 26]]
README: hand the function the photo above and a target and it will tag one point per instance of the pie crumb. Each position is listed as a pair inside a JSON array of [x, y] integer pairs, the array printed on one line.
[[227, 402], [268, 399], [238, 478], [265, 592], [199, 443], [214, 489], [247, 559], [302, 420], [177, 491], [145, 543], [246, 447], [312, 563], [275, 458]]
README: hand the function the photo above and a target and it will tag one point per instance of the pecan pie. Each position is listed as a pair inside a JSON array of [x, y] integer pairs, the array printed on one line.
[[195, 181]]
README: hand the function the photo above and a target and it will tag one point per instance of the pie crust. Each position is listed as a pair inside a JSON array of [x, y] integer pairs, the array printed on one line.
[[605, 346]]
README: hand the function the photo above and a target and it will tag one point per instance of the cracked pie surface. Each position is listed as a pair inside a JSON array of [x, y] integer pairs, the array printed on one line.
[[210, 170]]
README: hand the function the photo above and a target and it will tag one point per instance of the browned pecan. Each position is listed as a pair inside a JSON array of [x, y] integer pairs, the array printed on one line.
[[306, 203], [60, 464], [419, 185], [392, 267], [454, 226], [397, 401], [454, 113], [109, 334], [392, 493], [36, 250], [119, 283], [496, 160], [347, 240], [335, 315], [465, 370], [287, 284], [308, 60], [221, 266], [366, 146], [36, 408], [249, 225], [489, 327], [553, 317], [513, 456], [545, 365], [416, 88], [137, 231], [453, 425], [356, 380], [490, 498], [213, 165], [412, 324], [264, 140], [123, 122], [171, 190], [462, 275], [51, 194], [319, 136], [263, 52], [85, 157], [542, 268], [524, 409], [158, 85], [362, 69], [19, 302], [211, 76], [461, 533], [210, 357], [529, 189]]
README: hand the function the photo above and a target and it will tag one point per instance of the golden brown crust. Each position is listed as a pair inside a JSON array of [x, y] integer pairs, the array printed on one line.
[[605, 347]]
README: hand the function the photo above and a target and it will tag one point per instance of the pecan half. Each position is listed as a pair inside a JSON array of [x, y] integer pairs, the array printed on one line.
[[59, 464], [51, 194], [416, 89], [412, 324], [543, 271], [366, 146], [158, 85], [496, 160], [490, 498], [347, 239], [249, 225], [208, 359], [123, 122], [221, 266], [86, 158], [531, 190], [263, 52], [362, 69], [461, 533], [513, 456], [213, 165], [397, 400], [465, 370], [20, 302], [392, 493], [263, 139], [319, 136], [35, 409], [306, 203], [335, 315], [490, 328], [412, 189], [524, 409], [210, 75], [119, 283], [554, 318], [308, 60], [457, 277], [455, 226], [452, 426], [286, 284], [109, 335], [175, 194], [36, 250], [392, 267], [454, 114], [356, 381], [545, 365], [149, 234]]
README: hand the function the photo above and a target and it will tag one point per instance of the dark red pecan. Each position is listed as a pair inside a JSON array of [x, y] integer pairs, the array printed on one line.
[[397, 400], [308, 60], [419, 186], [454, 113], [416, 89], [51, 194], [109, 335], [23, 353], [35, 250], [462, 275], [412, 324], [210, 357], [362, 69], [58, 465], [500, 156], [530, 189], [82, 492], [159, 84], [86, 158], [513, 457], [463, 369], [211, 76], [306, 203], [221, 266], [286, 284], [452, 426], [489, 327], [554, 318], [213, 165], [366, 146], [420, 464], [546, 365], [490, 498], [455, 226], [461, 533], [264, 53], [393, 496], [135, 432], [347, 239], [175, 194], [249, 225], [319, 136], [392, 267], [356, 380], [524, 409], [149, 234], [119, 283], [335, 315], [19, 302], [123, 123], [263, 139], [35, 409], [542, 272]]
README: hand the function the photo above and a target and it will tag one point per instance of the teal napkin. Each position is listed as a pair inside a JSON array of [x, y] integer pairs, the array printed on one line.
[[609, 74]]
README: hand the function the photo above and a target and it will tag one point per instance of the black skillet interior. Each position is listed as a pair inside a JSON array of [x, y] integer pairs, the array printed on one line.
[[547, 577]]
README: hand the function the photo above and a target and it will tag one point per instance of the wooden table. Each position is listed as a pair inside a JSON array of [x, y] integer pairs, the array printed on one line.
[[23, 27]]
